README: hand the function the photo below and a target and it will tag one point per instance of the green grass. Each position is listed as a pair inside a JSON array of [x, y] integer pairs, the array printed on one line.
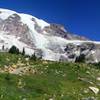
[[56, 80]]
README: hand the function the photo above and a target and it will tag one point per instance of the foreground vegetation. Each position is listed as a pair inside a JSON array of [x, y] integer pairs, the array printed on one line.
[[47, 80]]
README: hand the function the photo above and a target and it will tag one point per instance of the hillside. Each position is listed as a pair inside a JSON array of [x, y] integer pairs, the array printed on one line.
[[24, 79]]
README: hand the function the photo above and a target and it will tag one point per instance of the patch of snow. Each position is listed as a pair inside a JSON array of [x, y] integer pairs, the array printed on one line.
[[10, 40], [40, 22], [40, 40], [96, 61], [50, 55], [92, 51], [29, 51], [5, 13]]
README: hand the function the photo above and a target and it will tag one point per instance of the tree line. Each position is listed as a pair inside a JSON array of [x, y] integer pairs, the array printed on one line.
[[15, 50]]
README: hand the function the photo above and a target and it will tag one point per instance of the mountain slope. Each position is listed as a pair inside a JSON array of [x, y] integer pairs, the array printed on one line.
[[46, 40]]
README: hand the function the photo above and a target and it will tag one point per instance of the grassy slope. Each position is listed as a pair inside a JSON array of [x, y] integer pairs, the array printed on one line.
[[60, 81]]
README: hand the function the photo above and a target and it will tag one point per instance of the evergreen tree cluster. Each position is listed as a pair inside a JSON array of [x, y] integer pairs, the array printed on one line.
[[15, 50]]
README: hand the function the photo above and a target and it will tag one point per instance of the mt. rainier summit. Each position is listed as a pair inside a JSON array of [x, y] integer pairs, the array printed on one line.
[[50, 41]]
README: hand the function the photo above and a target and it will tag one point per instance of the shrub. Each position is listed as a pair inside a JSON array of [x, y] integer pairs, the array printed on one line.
[[23, 52], [14, 50], [7, 77], [33, 57]]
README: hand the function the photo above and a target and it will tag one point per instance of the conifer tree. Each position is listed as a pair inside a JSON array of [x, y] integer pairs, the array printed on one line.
[[23, 52], [33, 57], [14, 50], [3, 47]]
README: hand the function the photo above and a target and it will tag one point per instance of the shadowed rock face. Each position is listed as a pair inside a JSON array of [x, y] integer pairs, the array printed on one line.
[[60, 31], [89, 50], [13, 26]]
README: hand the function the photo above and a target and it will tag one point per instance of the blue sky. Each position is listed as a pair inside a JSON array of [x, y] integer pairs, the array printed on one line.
[[78, 16]]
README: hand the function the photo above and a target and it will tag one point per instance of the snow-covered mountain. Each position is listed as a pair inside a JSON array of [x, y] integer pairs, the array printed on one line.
[[51, 41]]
